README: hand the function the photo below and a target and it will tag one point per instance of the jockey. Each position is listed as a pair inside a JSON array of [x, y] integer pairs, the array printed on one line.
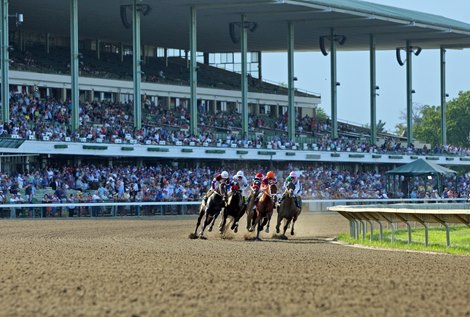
[[269, 179], [239, 182], [255, 186], [221, 178], [293, 179]]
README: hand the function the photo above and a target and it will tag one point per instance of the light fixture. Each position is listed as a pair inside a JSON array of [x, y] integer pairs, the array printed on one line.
[[294, 79], [447, 95], [413, 91], [377, 87], [338, 83]]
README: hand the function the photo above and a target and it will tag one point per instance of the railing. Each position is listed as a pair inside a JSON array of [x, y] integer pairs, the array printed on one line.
[[438, 213], [140, 209]]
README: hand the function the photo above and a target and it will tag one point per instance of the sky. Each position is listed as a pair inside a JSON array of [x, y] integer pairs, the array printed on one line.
[[353, 72]]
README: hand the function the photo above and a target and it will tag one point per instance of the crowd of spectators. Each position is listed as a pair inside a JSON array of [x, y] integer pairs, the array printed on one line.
[[90, 183], [108, 122]]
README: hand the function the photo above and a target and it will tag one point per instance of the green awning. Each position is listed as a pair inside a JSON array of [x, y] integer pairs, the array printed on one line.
[[421, 167]]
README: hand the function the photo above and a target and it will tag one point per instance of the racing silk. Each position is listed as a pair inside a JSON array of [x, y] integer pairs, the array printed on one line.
[[297, 184], [216, 181], [241, 185], [256, 183], [266, 181]]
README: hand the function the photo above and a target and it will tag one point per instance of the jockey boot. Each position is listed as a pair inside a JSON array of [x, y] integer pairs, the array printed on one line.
[[297, 202]]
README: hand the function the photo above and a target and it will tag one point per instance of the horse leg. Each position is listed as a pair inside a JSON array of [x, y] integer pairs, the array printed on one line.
[[287, 225], [207, 221], [268, 222], [223, 222], [213, 221], [278, 225], [292, 230], [201, 214]]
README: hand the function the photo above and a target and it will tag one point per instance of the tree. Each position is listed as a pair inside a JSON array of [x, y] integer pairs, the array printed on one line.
[[400, 129], [427, 122], [428, 127], [458, 120]]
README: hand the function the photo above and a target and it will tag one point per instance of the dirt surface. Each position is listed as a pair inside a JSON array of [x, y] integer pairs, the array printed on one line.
[[149, 267]]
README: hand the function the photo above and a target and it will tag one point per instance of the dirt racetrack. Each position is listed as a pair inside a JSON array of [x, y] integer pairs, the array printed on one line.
[[149, 267]]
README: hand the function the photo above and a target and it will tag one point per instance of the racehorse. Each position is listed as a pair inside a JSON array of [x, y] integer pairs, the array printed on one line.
[[250, 212], [235, 209], [264, 210], [287, 210], [215, 203]]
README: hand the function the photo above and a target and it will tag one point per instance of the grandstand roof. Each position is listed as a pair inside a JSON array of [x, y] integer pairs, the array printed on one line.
[[167, 24]]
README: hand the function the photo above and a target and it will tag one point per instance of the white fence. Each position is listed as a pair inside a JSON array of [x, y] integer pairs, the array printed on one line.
[[120, 209]]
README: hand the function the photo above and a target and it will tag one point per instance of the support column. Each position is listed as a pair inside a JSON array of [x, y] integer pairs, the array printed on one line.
[[290, 83], [136, 55], [98, 49], [260, 66], [334, 105], [193, 70], [121, 51], [48, 43], [443, 98], [74, 63], [5, 64], [409, 94], [373, 93], [244, 83]]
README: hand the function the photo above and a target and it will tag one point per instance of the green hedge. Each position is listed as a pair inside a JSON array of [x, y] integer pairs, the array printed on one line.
[[127, 148], [449, 158], [335, 155], [376, 156], [466, 159], [95, 147], [290, 153], [395, 157], [432, 158], [186, 150], [61, 146], [158, 149], [215, 151], [242, 152], [356, 155], [266, 153], [413, 157], [313, 156]]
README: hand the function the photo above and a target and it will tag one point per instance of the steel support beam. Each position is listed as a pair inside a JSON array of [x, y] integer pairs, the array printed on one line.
[[75, 92], [409, 93], [5, 63], [373, 92], [136, 59], [334, 102], [192, 69], [244, 79], [290, 82], [443, 98]]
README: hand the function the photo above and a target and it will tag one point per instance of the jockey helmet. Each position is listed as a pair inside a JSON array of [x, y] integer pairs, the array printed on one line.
[[270, 174], [240, 174], [293, 174], [224, 174], [259, 175]]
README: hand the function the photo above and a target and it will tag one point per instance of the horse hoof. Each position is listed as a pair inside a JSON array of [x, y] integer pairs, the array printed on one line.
[[236, 229], [202, 238], [267, 230], [210, 230]]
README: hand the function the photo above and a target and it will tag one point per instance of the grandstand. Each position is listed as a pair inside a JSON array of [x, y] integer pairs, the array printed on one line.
[[212, 121]]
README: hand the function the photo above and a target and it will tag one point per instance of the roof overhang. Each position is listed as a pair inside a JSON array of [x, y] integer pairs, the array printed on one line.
[[167, 24]]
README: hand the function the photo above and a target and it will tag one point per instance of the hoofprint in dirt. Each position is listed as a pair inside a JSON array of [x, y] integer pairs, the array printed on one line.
[[149, 267]]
